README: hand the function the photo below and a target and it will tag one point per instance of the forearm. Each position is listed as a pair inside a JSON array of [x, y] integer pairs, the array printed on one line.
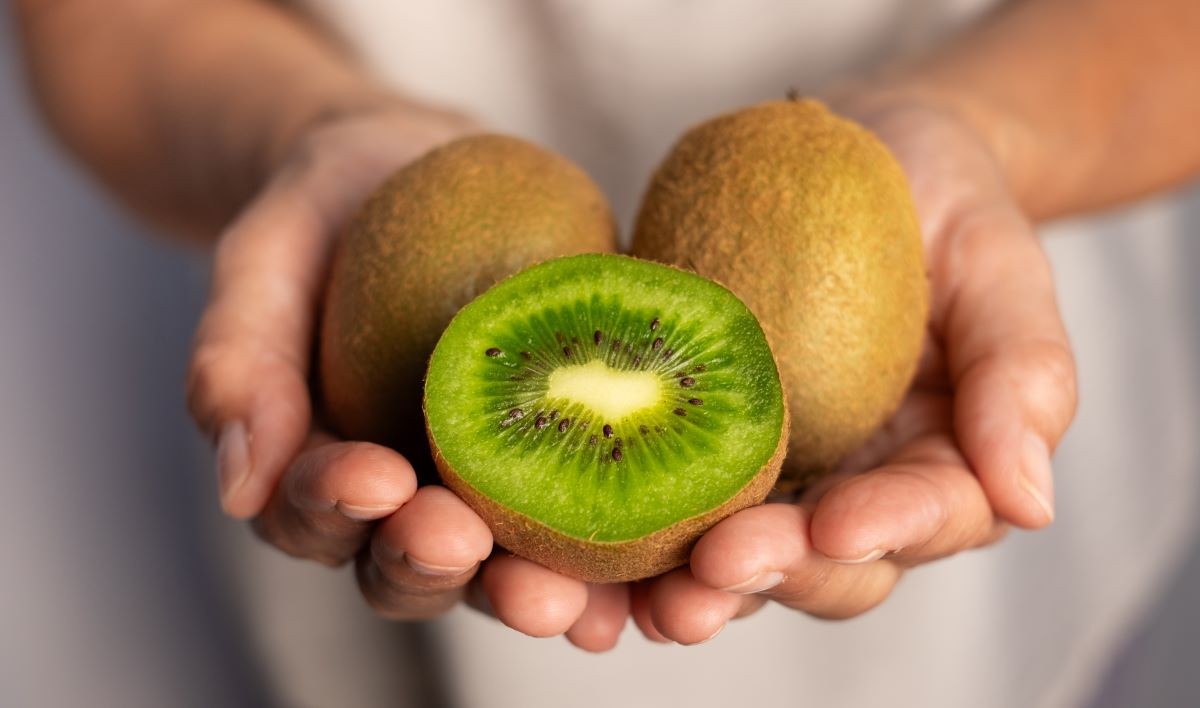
[[1086, 103], [182, 106]]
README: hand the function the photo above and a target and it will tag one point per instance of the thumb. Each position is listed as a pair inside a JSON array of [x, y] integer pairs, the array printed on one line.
[[247, 378]]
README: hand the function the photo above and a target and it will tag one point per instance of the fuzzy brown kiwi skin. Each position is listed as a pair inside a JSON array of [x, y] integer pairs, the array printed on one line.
[[437, 233], [607, 562], [745, 199]]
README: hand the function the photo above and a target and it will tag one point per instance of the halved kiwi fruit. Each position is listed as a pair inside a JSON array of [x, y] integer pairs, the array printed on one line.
[[601, 412]]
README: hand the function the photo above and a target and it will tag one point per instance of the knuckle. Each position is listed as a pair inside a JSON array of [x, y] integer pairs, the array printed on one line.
[[302, 542], [897, 489], [1043, 374], [857, 596], [849, 610], [268, 532], [381, 601], [993, 535], [329, 560], [203, 384], [393, 602], [804, 585], [1050, 387]]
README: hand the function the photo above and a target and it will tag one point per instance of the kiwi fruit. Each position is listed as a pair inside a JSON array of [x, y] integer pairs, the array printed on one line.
[[436, 234], [807, 217], [600, 412]]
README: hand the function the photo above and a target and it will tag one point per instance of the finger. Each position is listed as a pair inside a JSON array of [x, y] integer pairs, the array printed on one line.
[[422, 557], [750, 604], [602, 621], [402, 595], [687, 611], [639, 609], [530, 598], [924, 505], [1011, 365], [330, 496], [247, 379], [765, 549]]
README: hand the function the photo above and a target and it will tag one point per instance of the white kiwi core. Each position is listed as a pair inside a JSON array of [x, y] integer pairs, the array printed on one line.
[[611, 393]]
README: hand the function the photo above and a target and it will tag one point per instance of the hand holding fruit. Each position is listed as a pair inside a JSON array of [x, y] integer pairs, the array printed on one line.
[[968, 449], [312, 495]]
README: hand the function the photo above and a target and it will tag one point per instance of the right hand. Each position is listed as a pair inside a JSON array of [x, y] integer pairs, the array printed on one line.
[[317, 497]]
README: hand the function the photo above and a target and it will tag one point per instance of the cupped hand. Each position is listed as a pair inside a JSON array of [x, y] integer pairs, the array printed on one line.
[[416, 549], [968, 452]]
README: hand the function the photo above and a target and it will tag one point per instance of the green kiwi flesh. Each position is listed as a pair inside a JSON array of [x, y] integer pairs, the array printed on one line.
[[601, 412]]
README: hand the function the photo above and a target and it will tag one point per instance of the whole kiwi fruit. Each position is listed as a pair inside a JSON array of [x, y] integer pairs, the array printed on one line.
[[601, 412], [436, 234], [807, 217]]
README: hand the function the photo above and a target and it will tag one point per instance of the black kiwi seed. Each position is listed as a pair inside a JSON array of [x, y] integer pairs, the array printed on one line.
[[687, 382], [597, 337], [700, 367], [637, 360], [608, 431], [516, 414], [654, 324], [493, 352], [564, 424], [695, 401], [643, 429], [667, 354], [526, 355], [616, 345], [658, 342], [616, 454], [680, 412], [540, 423], [567, 352], [554, 414]]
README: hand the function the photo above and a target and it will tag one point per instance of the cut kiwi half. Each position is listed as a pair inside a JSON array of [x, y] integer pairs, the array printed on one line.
[[600, 412]]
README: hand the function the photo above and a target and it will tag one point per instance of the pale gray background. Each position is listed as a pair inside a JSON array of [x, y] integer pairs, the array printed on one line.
[[111, 593]]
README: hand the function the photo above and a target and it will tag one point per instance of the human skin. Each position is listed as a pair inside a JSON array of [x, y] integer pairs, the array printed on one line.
[[234, 124]]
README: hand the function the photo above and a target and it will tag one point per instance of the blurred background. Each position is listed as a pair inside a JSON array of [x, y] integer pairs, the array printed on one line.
[[116, 586]]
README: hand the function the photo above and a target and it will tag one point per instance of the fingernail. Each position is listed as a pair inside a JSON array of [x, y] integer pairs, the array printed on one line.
[[763, 581], [869, 558], [363, 512], [1036, 478], [233, 460], [445, 571]]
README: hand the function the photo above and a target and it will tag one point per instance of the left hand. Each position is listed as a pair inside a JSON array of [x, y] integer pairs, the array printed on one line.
[[966, 454]]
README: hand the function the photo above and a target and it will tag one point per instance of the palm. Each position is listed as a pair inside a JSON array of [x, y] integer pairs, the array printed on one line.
[[926, 412]]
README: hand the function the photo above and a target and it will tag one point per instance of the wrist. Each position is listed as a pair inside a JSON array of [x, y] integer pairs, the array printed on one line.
[[1008, 140], [301, 135]]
